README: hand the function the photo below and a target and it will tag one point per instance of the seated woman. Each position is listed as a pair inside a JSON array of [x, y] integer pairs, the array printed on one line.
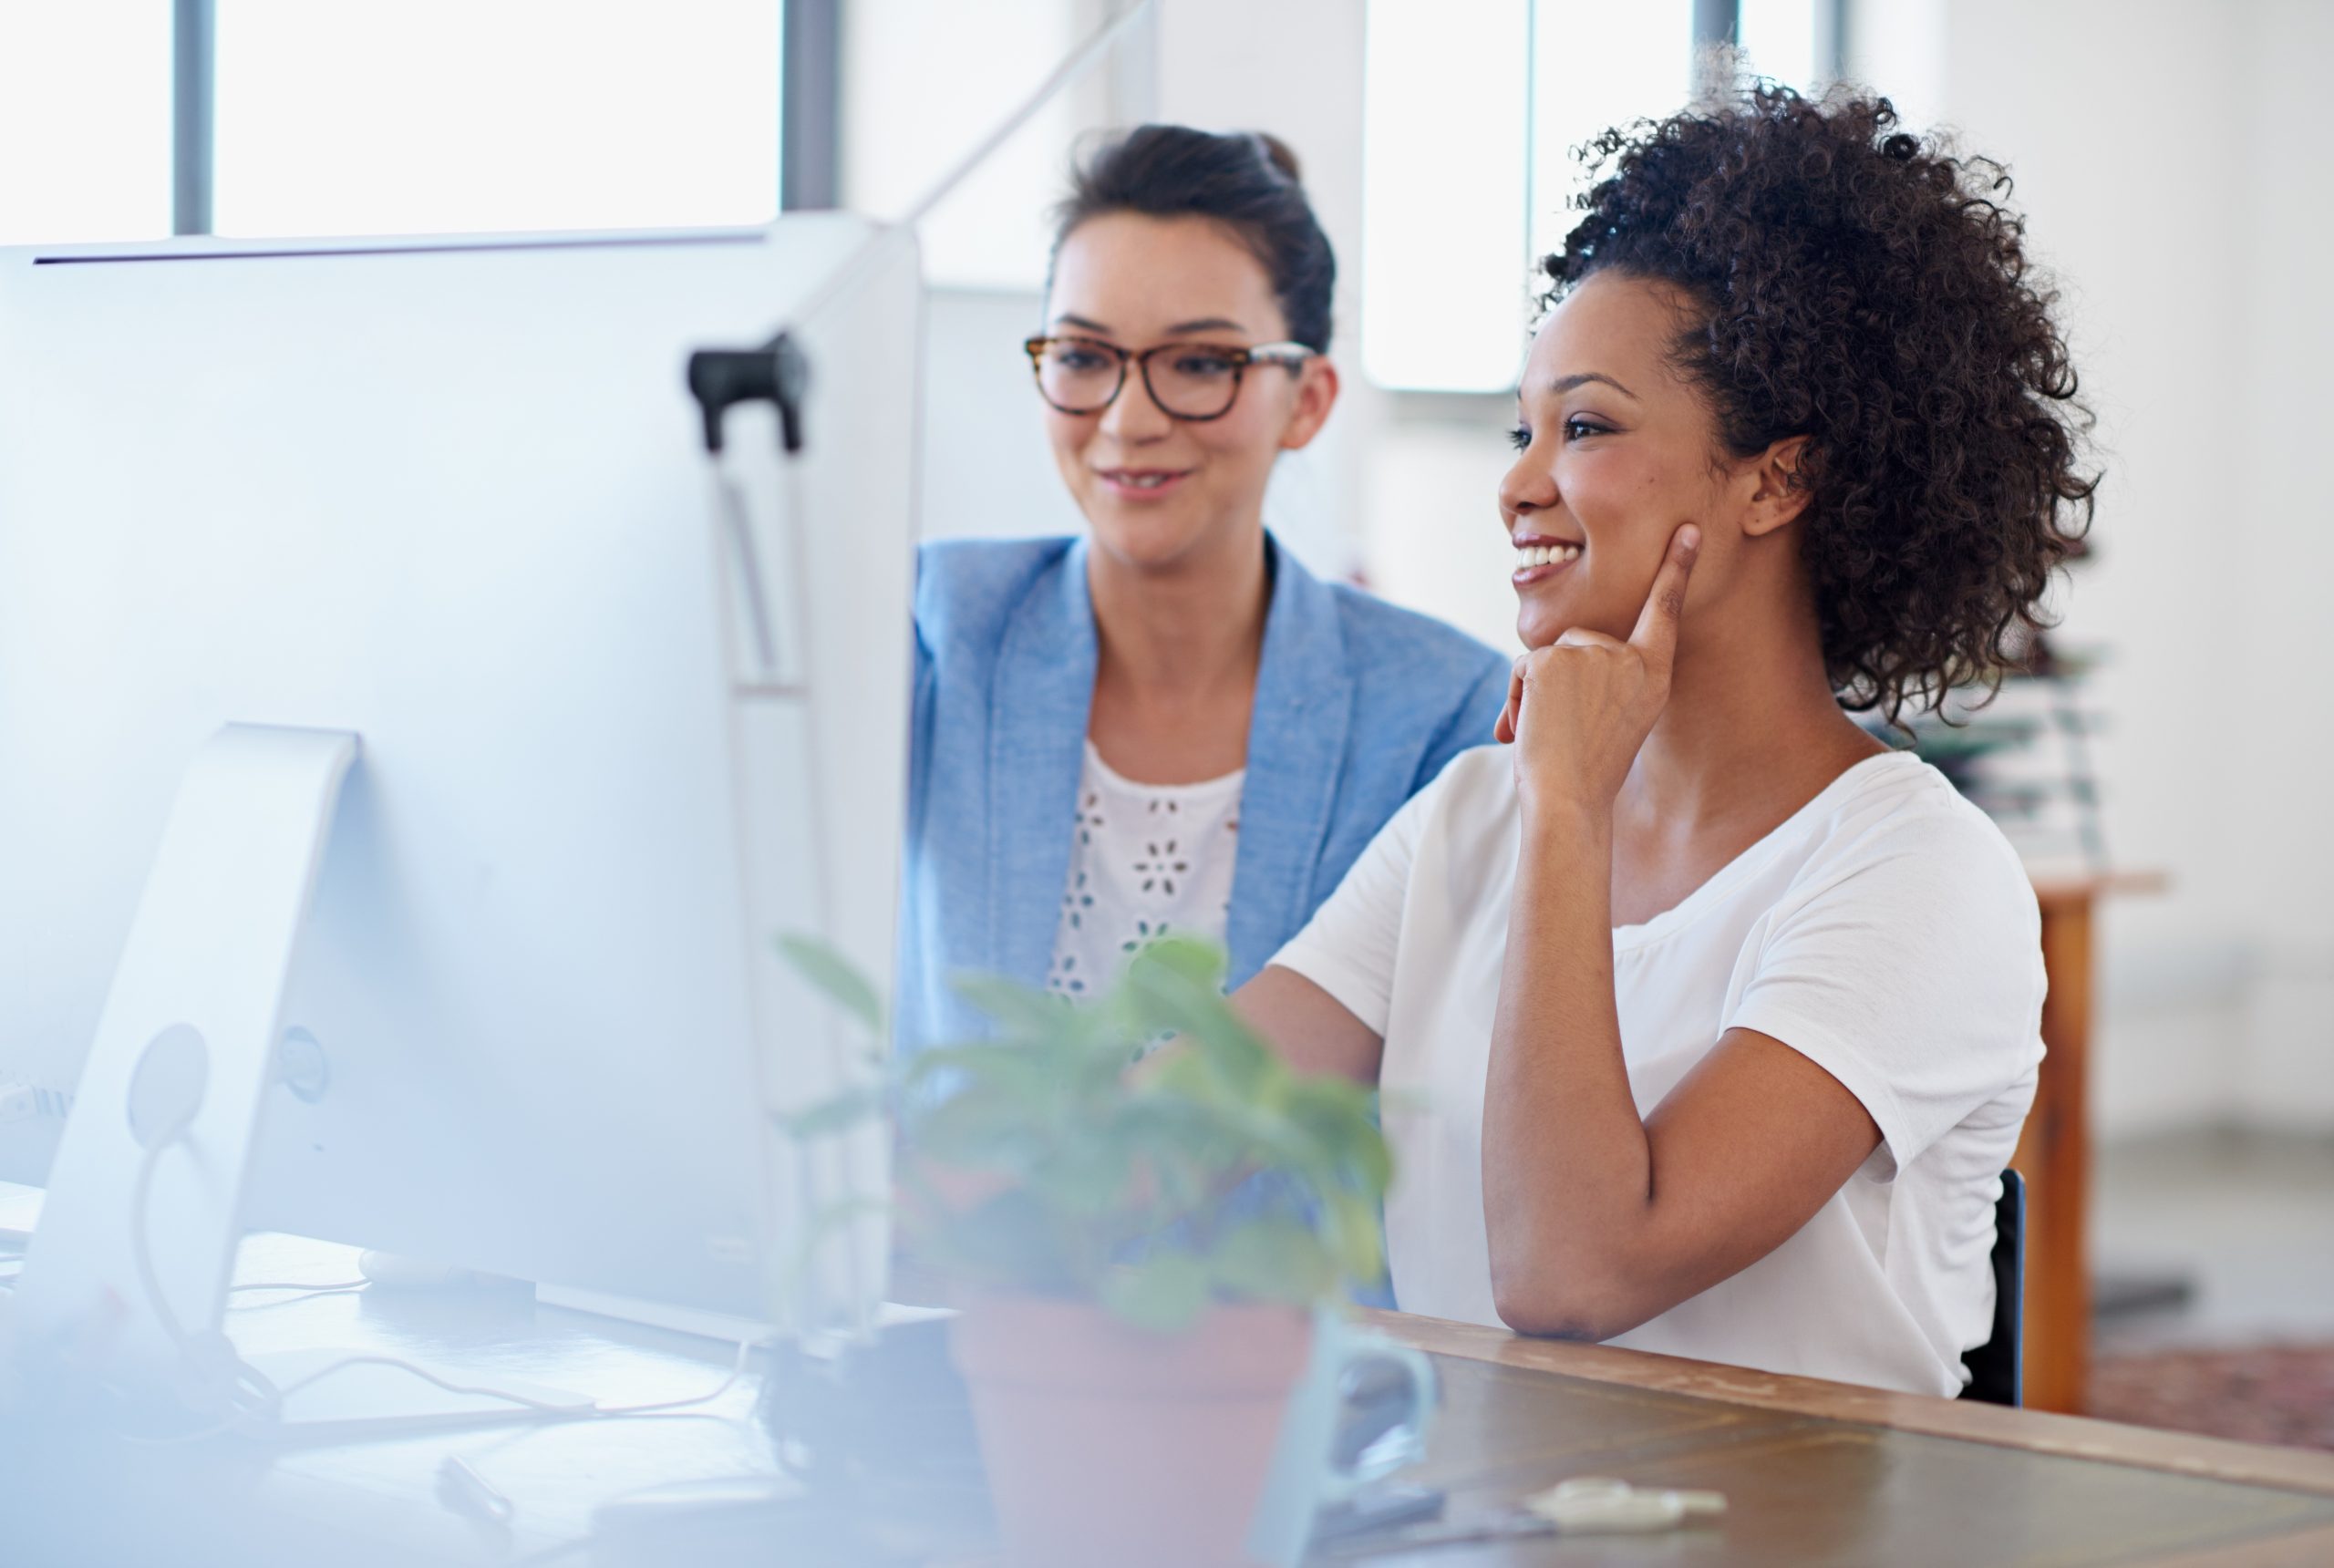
[[1707, 1023], [1169, 725]]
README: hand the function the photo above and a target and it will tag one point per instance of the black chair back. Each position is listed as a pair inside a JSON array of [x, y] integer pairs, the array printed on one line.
[[1997, 1368]]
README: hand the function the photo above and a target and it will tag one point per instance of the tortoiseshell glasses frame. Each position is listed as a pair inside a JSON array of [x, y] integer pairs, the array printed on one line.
[[1080, 375]]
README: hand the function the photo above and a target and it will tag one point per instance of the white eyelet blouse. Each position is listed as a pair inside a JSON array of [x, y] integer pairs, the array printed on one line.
[[1144, 859]]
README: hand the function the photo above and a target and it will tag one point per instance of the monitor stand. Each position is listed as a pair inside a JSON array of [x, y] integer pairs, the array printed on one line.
[[125, 1281], [125, 1278]]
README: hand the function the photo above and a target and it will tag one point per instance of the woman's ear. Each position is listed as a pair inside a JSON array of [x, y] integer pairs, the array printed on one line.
[[1779, 497], [1316, 394]]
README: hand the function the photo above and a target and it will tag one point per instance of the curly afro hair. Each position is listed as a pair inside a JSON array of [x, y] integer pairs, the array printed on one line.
[[1862, 287]]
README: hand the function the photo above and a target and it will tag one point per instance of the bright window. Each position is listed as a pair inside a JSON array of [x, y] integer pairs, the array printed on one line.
[[1473, 116], [437, 116], [1785, 39], [1595, 65], [911, 67], [1444, 191], [85, 120]]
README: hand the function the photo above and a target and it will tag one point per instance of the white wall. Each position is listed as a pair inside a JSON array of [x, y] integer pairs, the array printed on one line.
[[2286, 834], [2109, 175], [987, 472], [2163, 152]]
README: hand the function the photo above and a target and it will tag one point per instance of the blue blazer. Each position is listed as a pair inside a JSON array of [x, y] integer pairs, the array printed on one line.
[[1359, 704]]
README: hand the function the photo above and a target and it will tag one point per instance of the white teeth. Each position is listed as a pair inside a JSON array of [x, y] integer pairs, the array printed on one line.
[[1545, 554]]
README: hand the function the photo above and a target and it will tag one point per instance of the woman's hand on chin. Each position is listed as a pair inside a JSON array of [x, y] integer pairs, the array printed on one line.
[[1578, 709]]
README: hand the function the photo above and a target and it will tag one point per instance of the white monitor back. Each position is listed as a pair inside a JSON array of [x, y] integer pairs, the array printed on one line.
[[452, 497]]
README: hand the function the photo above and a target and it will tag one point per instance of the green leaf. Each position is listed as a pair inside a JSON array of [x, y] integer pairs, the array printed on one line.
[[1353, 1234], [1167, 998], [1098, 1068], [1163, 1292], [835, 977], [990, 1064], [838, 1114], [1131, 1188], [1201, 964], [1021, 1009], [1335, 1115], [1084, 1176], [983, 1126], [1185, 1075], [1372, 1162], [1011, 1239], [1274, 1259]]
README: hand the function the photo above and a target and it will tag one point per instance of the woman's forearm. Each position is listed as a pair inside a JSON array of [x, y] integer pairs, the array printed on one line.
[[1567, 1167], [1311, 1029]]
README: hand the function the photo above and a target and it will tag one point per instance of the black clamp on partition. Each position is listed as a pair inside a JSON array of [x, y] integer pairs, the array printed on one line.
[[776, 373]]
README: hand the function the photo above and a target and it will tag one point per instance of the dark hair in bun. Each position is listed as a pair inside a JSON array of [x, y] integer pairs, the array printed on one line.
[[1245, 180]]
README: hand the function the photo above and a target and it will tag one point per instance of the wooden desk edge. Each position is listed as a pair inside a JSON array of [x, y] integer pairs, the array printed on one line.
[[2037, 1431]]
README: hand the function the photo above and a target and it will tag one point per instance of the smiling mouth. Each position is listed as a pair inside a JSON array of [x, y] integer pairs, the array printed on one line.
[[1536, 559], [1140, 481]]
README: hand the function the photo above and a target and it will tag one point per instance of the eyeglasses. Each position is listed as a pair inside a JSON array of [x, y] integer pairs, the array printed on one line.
[[1193, 381]]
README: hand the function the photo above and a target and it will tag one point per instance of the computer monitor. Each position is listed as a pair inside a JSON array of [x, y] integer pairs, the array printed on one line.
[[617, 730]]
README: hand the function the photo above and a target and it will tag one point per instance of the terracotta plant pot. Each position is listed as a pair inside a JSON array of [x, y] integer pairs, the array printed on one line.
[[1108, 1446]]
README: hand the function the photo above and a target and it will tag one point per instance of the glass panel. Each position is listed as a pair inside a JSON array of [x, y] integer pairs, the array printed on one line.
[[1780, 38], [85, 120], [924, 82], [1594, 65], [1442, 234], [443, 116]]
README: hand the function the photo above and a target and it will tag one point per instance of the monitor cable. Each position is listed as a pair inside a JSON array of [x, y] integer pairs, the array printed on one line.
[[219, 1376]]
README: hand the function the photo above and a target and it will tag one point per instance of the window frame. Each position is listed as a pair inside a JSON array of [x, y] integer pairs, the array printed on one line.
[[809, 108]]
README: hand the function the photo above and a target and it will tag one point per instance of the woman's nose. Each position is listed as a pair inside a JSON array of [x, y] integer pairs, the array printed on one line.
[[1134, 415], [1527, 487]]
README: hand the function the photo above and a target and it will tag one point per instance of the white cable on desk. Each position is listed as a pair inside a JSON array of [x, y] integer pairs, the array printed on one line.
[[523, 1401], [303, 1292], [251, 1395], [737, 1370]]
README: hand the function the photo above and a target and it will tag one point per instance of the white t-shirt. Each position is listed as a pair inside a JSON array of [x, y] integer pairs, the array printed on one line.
[[1144, 859], [1887, 931]]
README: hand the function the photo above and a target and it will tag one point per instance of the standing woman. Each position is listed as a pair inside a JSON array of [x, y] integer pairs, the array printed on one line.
[[1167, 724]]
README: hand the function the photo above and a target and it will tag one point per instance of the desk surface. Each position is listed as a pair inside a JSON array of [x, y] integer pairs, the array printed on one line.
[[1825, 1473], [375, 1501], [1817, 1472]]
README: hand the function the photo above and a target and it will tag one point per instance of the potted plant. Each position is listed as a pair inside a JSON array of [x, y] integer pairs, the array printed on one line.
[[1138, 1247]]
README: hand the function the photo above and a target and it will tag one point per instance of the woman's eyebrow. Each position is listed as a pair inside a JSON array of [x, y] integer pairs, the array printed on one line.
[[1566, 382], [1206, 324], [1181, 329]]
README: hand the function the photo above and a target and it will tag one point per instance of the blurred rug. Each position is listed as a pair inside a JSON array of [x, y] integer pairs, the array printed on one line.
[[2260, 1394]]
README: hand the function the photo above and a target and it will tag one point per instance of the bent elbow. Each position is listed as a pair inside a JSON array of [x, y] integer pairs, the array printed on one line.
[[1534, 1325], [1544, 1311]]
